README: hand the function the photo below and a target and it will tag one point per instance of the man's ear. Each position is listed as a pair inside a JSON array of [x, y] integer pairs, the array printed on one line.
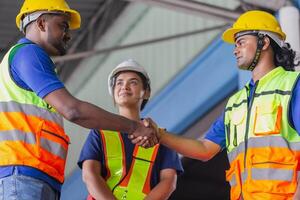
[[267, 43], [41, 23]]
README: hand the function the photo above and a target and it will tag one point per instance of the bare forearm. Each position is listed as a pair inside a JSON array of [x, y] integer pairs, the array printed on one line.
[[98, 189], [91, 116], [165, 187], [161, 191], [95, 184], [196, 149], [86, 114]]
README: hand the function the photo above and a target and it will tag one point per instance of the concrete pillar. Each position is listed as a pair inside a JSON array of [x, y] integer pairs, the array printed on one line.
[[289, 21]]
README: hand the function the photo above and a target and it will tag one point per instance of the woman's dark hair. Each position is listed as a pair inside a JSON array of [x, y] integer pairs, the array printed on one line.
[[284, 56], [146, 84]]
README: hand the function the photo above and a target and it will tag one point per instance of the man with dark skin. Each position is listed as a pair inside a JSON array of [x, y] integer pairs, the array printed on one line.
[[51, 33], [33, 102]]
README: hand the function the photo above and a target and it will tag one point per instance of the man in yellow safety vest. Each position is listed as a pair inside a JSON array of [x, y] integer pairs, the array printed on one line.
[[260, 125], [33, 102]]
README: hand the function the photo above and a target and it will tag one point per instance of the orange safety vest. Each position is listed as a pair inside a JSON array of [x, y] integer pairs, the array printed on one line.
[[31, 132], [263, 148], [135, 184]]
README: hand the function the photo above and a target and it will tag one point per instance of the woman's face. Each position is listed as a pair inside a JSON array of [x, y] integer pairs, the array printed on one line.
[[129, 90]]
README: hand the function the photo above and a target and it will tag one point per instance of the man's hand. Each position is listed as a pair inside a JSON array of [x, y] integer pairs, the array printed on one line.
[[148, 122], [144, 135]]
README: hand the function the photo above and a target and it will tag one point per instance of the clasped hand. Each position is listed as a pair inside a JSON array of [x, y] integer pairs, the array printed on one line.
[[147, 134]]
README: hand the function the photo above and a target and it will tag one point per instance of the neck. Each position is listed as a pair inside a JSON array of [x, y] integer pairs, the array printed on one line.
[[264, 66], [36, 38], [130, 113], [32, 37]]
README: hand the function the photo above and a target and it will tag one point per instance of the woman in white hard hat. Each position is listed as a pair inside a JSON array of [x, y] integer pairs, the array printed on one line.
[[113, 167]]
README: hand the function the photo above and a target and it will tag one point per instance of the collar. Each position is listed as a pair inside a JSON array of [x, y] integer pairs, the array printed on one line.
[[24, 40]]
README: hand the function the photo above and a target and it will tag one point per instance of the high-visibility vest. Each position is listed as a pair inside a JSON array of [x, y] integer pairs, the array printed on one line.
[[135, 184], [263, 148], [31, 131]]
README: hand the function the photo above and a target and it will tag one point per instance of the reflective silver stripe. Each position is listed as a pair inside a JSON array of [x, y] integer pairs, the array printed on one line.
[[265, 174], [235, 152], [270, 141], [54, 148], [271, 174], [29, 138], [31, 110], [273, 141], [15, 135], [244, 176], [232, 181]]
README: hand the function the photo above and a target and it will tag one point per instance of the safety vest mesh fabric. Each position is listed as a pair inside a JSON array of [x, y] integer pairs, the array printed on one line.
[[263, 148], [31, 132], [135, 184]]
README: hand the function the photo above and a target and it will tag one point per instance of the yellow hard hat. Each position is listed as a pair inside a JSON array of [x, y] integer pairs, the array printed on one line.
[[31, 6], [254, 20]]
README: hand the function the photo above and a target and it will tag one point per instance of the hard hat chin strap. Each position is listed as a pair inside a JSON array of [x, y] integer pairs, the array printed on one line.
[[260, 44]]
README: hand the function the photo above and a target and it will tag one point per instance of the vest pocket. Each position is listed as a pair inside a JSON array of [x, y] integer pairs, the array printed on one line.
[[53, 141], [267, 120], [237, 126], [272, 176]]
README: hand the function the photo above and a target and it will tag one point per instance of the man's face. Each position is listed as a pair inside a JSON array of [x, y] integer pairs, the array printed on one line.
[[57, 34], [244, 51]]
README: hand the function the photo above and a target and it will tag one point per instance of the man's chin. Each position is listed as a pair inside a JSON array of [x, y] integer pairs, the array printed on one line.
[[243, 68], [62, 52]]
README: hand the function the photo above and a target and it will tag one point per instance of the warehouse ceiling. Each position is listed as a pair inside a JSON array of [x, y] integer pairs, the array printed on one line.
[[98, 15]]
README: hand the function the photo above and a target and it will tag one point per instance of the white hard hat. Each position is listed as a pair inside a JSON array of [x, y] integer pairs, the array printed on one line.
[[127, 65]]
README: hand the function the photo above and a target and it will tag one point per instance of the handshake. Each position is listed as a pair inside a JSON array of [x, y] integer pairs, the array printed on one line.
[[147, 133]]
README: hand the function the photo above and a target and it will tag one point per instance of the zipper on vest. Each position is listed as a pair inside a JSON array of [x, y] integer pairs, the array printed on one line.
[[235, 136], [51, 133], [228, 135], [249, 107]]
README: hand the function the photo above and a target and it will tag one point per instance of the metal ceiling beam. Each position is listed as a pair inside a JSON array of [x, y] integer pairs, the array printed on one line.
[[90, 27], [107, 50], [195, 8]]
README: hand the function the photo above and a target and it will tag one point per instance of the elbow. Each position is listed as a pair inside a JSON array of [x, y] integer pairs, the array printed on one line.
[[173, 186], [206, 158], [86, 177], [71, 114]]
